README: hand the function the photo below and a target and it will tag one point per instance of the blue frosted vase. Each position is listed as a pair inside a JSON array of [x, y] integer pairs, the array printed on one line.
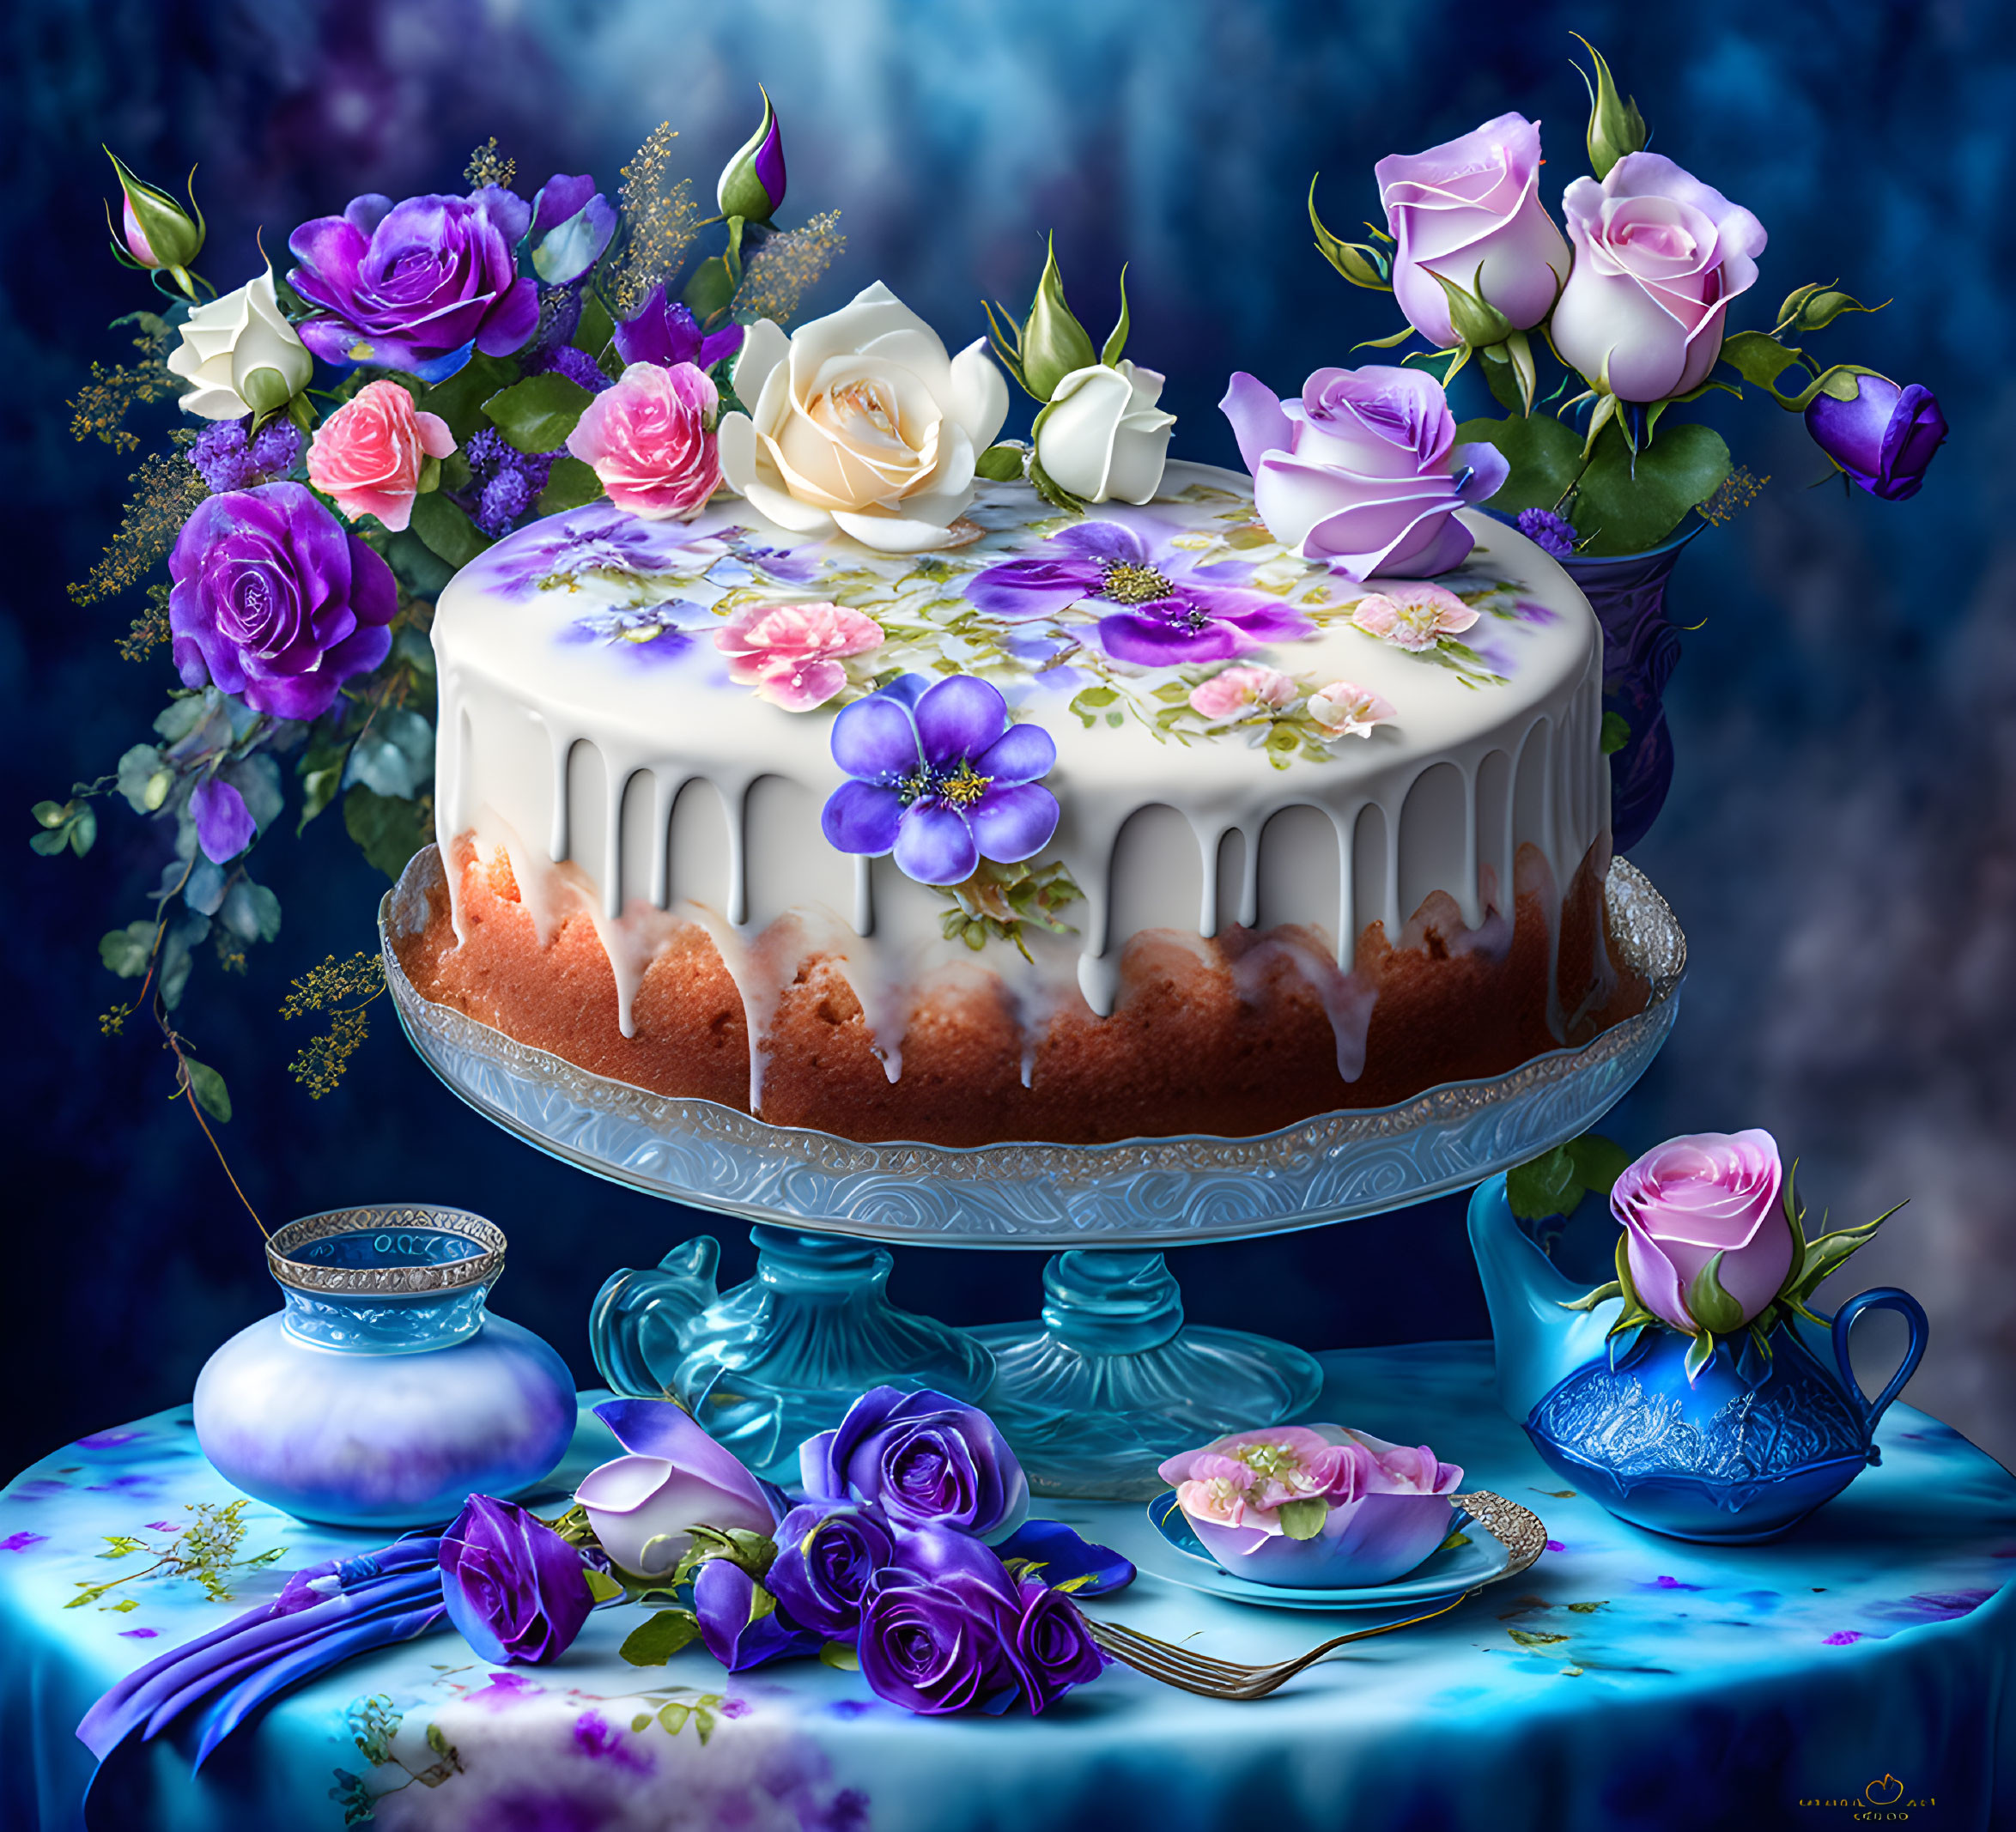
[[384, 1394]]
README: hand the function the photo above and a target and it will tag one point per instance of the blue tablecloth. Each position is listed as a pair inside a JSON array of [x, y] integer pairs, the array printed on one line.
[[1867, 1661]]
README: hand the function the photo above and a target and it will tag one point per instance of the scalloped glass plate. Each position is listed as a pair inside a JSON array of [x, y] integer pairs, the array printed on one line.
[[1178, 1556], [1149, 1192]]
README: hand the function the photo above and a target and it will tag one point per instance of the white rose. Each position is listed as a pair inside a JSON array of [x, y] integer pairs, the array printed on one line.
[[860, 421], [1103, 438], [241, 354]]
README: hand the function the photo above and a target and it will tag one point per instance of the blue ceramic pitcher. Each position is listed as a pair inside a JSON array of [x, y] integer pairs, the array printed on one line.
[[1744, 1453]]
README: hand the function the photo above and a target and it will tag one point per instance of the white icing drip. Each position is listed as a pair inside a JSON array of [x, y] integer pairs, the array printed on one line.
[[1347, 997]]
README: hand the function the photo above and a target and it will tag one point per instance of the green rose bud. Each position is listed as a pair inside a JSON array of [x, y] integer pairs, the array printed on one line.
[[1054, 343], [156, 233], [1616, 127], [751, 184]]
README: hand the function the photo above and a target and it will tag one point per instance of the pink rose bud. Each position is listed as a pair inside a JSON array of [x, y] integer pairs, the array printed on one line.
[[650, 440], [1230, 693], [1691, 1199], [366, 456], [136, 242], [790, 653]]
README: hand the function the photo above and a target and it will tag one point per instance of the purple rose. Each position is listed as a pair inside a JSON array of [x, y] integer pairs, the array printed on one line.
[[922, 1457], [668, 334], [1883, 439], [741, 1622], [1156, 605], [514, 1586], [828, 1554], [412, 286], [1053, 1645], [1363, 471], [942, 779], [1466, 205], [1703, 1226], [274, 600], [935, 1644], [1658, 256], [572, 223]]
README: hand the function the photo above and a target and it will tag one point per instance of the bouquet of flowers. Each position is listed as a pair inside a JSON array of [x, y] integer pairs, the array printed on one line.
[[427, 375]]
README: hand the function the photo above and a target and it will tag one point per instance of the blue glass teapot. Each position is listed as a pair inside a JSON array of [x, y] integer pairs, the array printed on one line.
[[1745, 1450]]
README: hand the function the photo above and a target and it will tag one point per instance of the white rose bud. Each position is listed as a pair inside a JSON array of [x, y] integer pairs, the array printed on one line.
[[1103, 438], [241, 355]]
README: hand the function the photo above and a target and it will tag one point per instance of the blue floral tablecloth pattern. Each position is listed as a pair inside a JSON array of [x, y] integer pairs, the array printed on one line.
[[1627, 1681]]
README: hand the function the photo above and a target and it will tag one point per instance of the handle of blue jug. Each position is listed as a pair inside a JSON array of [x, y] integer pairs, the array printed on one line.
[[1883, 1297]]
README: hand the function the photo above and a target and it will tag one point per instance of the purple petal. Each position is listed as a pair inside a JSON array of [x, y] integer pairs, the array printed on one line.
[[1103, 543], [1021, 754], [862, 817], [659, 1428], [224, 825], [512, 320], [1488, 471], [1258, 423], [1027, 589], [770, 166], [511, 214], [724, 1601], [1012, 824], [876, 739], [959, 718], [722, 345], [935, 846], [1155, 642], [559, 197], [1262, 616]]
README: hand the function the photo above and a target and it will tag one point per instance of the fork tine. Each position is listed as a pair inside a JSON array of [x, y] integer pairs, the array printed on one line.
[[1148, 1644]]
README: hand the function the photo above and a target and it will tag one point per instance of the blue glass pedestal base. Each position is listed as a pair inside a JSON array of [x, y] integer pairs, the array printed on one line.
[[1112, 1382]]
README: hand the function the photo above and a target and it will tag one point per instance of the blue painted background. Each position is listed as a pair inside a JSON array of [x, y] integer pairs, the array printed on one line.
[[1840, 844]]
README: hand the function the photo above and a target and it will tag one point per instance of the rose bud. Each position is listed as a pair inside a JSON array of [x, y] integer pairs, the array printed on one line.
[[751, 184], [157, 232], [239, 355], [513, 1585], [1884, 438], [645, 1505], [1103, 438]]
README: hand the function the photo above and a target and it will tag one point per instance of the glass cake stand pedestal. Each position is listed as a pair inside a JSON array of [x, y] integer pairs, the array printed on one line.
[[1110, 1380]]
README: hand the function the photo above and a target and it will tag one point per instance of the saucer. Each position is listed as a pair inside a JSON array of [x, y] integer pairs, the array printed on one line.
[[1178, 1556]]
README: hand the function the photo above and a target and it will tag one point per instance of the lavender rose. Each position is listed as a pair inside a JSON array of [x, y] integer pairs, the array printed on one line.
[[1708, 1244], [513, 1585], [1883, 439], [644, 1506], [828, 1554], [412, 285], [1363, 471], [1469, 204], [1658, 256], [923, 1459], [274, 600]]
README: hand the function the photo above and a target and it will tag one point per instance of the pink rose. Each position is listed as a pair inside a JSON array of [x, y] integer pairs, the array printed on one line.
[[1344, 710], [1658, 256], [1230, 693], [1411, 614], [1467, 203], [650, 440], [1363, 471], [367, 455], [790, 653], [1693, 1198]]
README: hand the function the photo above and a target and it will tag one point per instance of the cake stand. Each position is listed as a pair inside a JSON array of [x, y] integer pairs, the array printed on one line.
[[1110, 1380]]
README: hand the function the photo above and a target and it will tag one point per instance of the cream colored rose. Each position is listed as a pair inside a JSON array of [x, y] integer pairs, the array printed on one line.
[[860, 421], [241, 355], [1103, 438]]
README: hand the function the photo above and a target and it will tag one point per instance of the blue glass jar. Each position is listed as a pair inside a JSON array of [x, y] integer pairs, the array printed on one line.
[[384, 1394]]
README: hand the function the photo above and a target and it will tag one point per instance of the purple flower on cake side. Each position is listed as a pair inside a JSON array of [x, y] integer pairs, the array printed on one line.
[[942, 779], [922, 1458], [654, 635], [274, 600], [1157, 607], [1884, 438], [414, 285], [1363, 471], [667, 333], [513, 1588]]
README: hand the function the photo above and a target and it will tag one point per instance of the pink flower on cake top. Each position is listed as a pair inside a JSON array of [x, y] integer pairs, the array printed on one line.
[[1468, 214], [793, 654], [1344, 710], [1363, 470], [1233, 692], [860, 423], [1412, 614], [368, 456], [650, 441]]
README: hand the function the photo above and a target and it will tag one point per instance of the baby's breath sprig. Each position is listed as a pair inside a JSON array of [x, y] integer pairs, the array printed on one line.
[[659, 221], [785, 268], [487, 165], [320, 1064], [103, 403], [170, 488]]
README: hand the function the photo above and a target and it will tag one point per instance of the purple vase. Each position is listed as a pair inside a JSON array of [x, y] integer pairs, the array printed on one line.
[[1627, 592]]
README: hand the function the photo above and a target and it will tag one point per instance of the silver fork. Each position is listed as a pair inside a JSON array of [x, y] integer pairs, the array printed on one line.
[[1518, 1529]]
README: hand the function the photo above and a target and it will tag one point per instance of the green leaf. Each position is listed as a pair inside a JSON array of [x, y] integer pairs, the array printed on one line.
[[83, 830], [388, 829], [1700, 1353], [673, 1716], [1543, 1186], [535, 416], [712, 289], [1054, 343], [49, 814], [1590, 1300], [1616, 127], [1599, 1161], [1626, 504], [1758, 356], [1001, 464], [1814, 308], [319, 788], [838, 1654], [1709, 1304], [144, 778], [1533, 1638], [1544, 457], [601, 1587], [48, 845], [596, 328], [1359, 262], [460, 400], [207, 1090], [1304, 1519], [251, 912], [570, 485], [447, 531], [414, 564], [660, 1636], [1616, 733], [126, 951], [1110, 353]]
